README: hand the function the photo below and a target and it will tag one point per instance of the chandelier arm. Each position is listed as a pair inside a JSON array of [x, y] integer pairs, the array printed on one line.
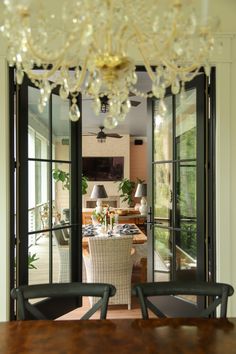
[[121, 34], [35, 53], [46, 75], [43, 58], [129, 39], [171, 35], [83, 73], [47, 58], [146, 63], [180, 69], [109, 25]]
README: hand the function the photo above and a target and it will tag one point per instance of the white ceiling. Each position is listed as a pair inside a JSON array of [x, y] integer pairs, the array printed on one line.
[[135, 123]]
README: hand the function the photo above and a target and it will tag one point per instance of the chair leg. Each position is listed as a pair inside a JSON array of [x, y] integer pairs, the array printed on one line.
[[143, 263]]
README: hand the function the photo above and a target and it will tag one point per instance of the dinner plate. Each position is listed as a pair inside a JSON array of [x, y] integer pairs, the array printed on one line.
[[130, 232]]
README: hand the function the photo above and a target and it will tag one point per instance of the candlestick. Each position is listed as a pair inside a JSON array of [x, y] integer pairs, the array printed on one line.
[[111, 222], [105, 222], [204, 12]]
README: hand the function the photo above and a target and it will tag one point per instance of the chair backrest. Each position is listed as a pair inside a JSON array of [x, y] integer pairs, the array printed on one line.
[[60, 238], [110, 261], [108, 251], [62, 244], [110, 256], [63, 290], [219, 291]]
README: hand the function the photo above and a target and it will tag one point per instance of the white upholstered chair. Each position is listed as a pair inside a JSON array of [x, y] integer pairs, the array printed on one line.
[[109, 260], [64, 255]]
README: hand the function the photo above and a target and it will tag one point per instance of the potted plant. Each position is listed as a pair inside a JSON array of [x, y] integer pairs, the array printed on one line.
[[31, 259], [126, 188], [64, 177], [84, 184]]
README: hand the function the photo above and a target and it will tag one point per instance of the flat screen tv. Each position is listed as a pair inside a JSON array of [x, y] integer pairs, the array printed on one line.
[[103, 168]]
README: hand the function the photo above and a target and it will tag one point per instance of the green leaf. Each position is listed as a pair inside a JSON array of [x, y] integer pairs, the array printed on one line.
[[31, 259]]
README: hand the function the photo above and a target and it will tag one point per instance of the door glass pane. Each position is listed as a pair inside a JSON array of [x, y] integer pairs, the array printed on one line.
[[186, 139], [38, 127], [38, 258], [186, 248], [163, 130], [61, 193], [186, 200], [38, 195], [60, 128], [186, 256], [162, 192], [61, 255], [162, 254]]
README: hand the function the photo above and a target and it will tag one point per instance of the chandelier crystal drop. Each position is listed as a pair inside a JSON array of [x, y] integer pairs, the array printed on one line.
[[91, 47]]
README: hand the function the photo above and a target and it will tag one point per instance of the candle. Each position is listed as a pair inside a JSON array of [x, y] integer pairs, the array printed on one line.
[[105, 222], [204, 12], [111, 221]]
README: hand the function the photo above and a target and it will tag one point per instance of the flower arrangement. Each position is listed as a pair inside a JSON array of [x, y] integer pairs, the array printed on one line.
[[105, 217]]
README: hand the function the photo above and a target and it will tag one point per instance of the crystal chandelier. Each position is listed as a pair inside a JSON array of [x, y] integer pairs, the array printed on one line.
[[91, 46]]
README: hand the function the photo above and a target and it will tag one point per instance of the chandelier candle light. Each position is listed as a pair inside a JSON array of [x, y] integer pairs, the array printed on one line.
[[91, 47]]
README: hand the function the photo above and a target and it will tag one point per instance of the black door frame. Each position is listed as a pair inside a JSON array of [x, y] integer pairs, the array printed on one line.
[[205, 183], [19, 166]]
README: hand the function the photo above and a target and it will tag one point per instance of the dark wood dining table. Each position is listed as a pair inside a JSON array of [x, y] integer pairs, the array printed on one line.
[[182, 336]]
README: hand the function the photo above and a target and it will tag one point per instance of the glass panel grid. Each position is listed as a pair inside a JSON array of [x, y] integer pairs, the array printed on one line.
[[163, 191], [185, 126], [48, 255], [162, 254], [163, 130]]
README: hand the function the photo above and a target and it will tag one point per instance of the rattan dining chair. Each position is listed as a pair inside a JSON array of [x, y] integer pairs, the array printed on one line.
[[110, 260], [219, 291], [61, 290]]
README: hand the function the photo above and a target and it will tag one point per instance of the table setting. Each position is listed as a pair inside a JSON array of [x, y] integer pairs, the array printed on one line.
[[91, 230]]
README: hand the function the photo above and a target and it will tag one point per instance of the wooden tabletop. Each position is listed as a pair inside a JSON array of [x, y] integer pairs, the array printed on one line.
[[137, 238], [195, 336]]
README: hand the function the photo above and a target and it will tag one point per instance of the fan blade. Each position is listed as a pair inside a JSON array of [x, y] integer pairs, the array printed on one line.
[[114, 135], [89, 134], [135, 103], [131, 94]]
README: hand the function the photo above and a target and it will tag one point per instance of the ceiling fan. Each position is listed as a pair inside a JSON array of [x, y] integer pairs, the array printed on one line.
[[101, 136], [105, 102]]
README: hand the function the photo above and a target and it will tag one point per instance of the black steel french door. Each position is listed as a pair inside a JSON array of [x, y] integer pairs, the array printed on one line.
[[48, 194], [178, 192]]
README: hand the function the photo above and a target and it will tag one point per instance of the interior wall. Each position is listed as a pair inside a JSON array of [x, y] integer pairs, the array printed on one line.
[[232, 197], [226, 186], [4, 193], [137, 168], [225, 63], [138, 161], [225, 11], [112, 147]]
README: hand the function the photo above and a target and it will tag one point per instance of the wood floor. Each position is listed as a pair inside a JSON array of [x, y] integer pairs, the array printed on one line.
[[40, 275], [114, 311]]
